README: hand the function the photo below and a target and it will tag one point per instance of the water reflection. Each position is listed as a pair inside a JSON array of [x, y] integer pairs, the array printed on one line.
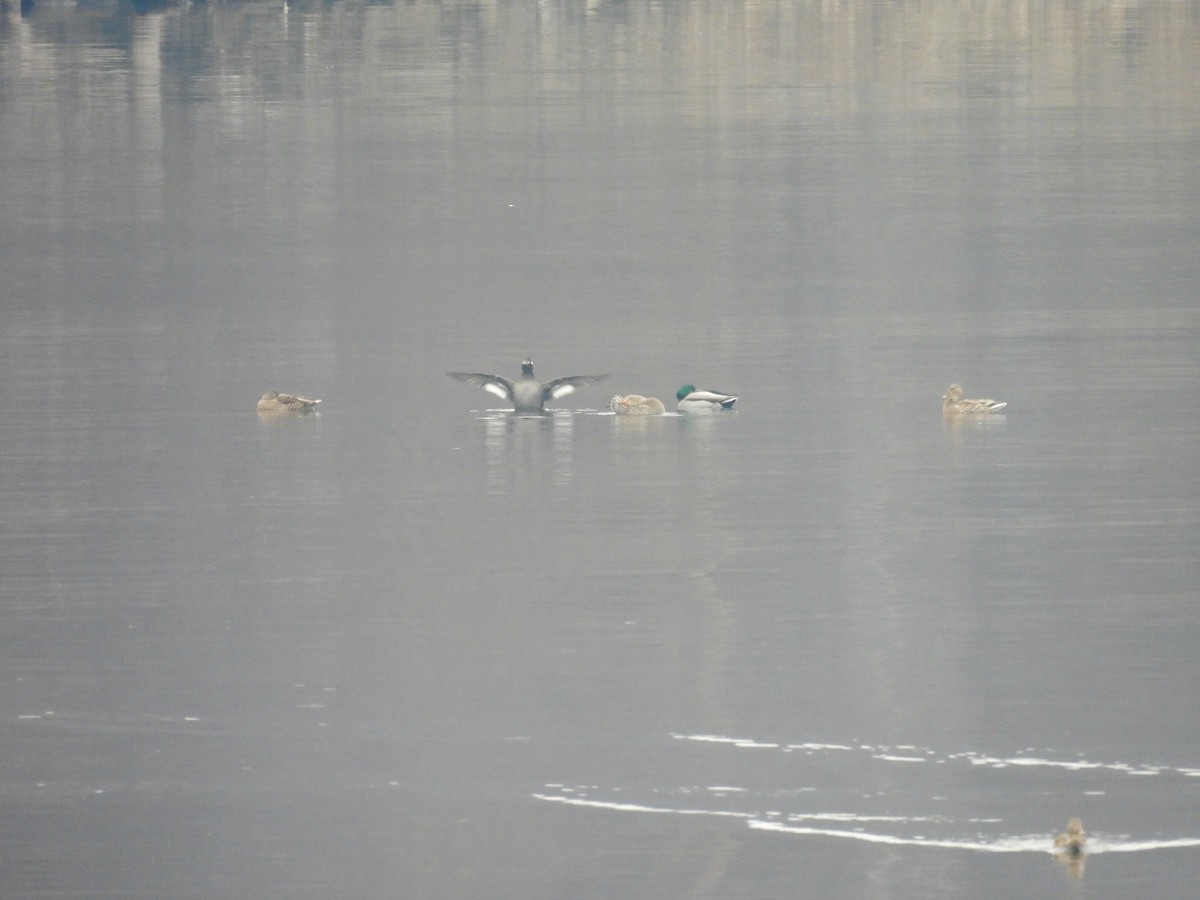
[[782, 56], [961, 429], [627, 428], [1072, 863], [516, 448], [563, 426]]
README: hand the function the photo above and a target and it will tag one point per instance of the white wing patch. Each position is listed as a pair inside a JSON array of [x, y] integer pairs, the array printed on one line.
[[498, 389], [562, 390]]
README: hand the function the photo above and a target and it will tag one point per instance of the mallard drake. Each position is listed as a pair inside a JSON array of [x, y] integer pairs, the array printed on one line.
[[526, 394], [636, 405], [1071, 842], [954, 404], [273, 401], [691, 400]]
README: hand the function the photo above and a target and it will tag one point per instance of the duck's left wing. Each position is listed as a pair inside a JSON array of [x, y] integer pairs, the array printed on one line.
[[560, 387], [981, 405], [719, 397], [493, 384]]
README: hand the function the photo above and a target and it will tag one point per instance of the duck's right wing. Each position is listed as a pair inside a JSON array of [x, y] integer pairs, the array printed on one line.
[[493, 384]]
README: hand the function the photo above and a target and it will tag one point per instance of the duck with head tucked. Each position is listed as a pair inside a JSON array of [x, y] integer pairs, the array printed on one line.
[[275, 402], [953, 403], [636, 405], [691, 400], [526, 394]]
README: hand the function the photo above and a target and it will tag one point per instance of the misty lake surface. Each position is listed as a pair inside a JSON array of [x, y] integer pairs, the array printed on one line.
[[825, 644]]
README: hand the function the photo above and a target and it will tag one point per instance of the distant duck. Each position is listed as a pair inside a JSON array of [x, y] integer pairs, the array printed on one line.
[[636, 405], [275, 402], [1071, 842], [954, 404], [526, 394], [692, 400]]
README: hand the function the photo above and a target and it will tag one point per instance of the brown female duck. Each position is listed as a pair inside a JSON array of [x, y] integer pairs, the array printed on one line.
[[275, 402], [953, 403]]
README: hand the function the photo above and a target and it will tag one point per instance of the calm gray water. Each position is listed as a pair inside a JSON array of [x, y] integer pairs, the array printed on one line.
[[825, 645]]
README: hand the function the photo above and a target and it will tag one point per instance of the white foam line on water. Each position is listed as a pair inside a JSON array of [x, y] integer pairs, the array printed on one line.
[[999, 763], [755, 744], [710, 738], [1072, 765], [796, 817], [721, 739], [1026, 844], [884, 754], [1007, 845], [637, 807], [854, 817], [1035, 843], [1135, 846]]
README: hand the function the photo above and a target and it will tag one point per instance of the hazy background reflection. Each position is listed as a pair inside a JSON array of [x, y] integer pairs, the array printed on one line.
[[827, 644]]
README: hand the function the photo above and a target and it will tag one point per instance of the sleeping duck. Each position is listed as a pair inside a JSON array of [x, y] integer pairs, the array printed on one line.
[[691, 400], [275, 402], [526, 394], [953, 403], [636, 405]]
